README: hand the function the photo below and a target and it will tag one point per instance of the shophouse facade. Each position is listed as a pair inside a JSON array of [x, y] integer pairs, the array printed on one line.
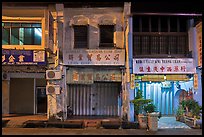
[[28, 48], [56, 55], [164, 58], [94, 59]]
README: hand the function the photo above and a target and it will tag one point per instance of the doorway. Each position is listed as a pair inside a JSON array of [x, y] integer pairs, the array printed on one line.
[[41, 100], [99, 99]]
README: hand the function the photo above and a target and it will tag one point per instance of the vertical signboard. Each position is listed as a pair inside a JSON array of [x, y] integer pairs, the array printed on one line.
[[195, 81], [199, 43], [132, 81]]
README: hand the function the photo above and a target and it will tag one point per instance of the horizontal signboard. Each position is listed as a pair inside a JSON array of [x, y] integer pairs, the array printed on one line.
[[95, 57], [88, 76], [153, 78], [23, 57], [163, 66], [177, 78]]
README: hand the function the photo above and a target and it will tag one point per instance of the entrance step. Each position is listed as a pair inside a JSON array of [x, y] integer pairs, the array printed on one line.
[[92, 123]]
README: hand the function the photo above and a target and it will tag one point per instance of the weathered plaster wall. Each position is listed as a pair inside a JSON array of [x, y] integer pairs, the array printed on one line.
[[92, 17]]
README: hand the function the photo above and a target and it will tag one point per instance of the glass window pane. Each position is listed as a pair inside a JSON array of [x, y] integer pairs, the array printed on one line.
[[28, 35], [16, 24], [7, 24], [21, 33], [21, 36], [37, 36], [26, 25], [14, 36], [36, 25], [5, 36]]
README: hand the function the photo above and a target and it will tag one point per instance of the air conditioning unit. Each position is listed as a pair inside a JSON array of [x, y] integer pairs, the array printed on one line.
[[53, 74], [5, 76], [52, 89]]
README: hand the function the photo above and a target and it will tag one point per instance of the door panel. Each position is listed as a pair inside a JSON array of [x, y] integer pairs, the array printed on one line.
[[107, 98], [41, 100], [79, 98]]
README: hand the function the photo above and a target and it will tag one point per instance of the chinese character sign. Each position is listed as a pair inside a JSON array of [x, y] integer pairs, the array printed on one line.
[[80, 76], [195, 81], [163, 66], [23, 57], [88, 76], [199, 43], [95, 57]]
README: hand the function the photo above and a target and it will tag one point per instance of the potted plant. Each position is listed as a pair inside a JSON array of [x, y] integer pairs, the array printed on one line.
[[149, 108], [179, 114], [192, 107], [139, 104], [192, 111]]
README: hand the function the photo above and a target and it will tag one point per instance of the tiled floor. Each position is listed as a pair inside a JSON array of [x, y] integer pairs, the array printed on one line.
[[170, 122]]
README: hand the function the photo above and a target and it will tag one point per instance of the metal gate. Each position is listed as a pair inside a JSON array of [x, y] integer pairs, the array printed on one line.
[[100, 98]]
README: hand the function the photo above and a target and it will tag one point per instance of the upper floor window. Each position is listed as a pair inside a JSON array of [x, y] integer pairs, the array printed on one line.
[[106, 36], [160, 24], [15, 33], [80, 36], [160, 36]]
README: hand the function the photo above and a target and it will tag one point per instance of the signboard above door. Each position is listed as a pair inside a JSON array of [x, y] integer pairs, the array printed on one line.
[[115, 57], [23, 57], [163, 66]]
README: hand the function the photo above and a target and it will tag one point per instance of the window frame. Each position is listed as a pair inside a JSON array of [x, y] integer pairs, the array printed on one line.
[[113, 34], [87, 36], [168, 33], [26, 20]]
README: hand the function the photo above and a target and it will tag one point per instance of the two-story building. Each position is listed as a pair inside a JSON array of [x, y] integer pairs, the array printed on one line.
[[27, 45], [94, 58], [163, 52]]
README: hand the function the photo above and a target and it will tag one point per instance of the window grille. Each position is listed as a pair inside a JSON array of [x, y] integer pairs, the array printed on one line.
[[160, 36]]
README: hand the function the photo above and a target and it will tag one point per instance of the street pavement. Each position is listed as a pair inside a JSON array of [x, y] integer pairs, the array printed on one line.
[[166, 126], [100, 131]]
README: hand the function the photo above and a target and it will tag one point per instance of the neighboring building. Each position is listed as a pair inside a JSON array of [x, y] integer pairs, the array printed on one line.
[[163, 56], [56, 55], [27, 51], [198, 61], [94, 59]]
